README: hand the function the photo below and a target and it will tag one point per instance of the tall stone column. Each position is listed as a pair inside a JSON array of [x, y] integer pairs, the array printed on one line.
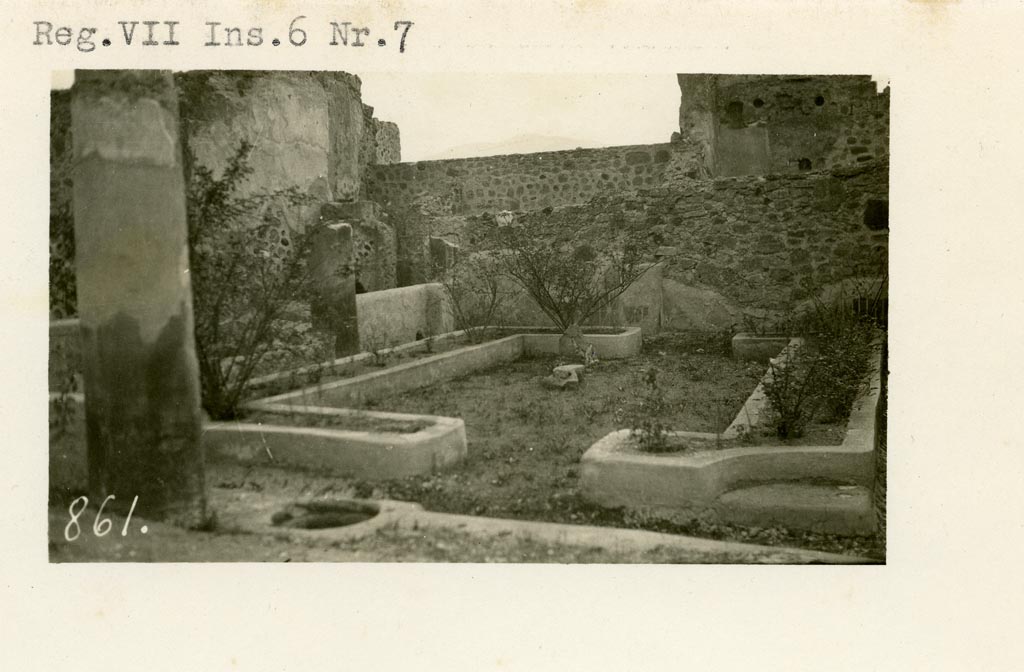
[[332, 267], [134, 296]]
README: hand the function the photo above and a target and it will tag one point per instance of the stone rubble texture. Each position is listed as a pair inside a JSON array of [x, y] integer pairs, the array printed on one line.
[[740, 221], [750, 242], [828, 121], [373, 240], [333, 309]]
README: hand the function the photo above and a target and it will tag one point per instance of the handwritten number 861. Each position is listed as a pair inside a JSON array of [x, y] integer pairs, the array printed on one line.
[[100, 526]]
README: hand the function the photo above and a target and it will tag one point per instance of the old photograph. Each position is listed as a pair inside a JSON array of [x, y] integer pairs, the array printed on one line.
[[296, 316]]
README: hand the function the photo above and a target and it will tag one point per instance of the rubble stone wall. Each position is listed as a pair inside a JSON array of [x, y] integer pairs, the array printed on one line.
[[522, 181], [433, 198], [736, 245], [760, 124]]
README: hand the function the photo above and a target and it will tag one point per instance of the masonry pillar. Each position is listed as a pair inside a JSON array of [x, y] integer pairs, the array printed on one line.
[[346, 124], [698, 122], [373, 242], [334, 303], [141, 377], [442, 256]]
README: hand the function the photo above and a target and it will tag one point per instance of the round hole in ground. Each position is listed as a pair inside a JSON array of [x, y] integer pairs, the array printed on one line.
[[819, 101], [758, 102], [322, 515]]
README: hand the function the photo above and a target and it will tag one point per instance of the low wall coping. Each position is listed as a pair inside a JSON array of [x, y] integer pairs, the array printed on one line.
[[396, 370]]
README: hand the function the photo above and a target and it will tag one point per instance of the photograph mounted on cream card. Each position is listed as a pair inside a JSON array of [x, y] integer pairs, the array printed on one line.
[[645, 322]]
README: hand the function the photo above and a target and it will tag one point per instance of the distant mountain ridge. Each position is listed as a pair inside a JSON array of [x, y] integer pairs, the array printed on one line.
[[520, 144]]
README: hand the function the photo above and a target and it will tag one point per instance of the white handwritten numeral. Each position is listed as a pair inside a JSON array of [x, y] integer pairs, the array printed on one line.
[[124, 531], [98, 525], [74, 518]]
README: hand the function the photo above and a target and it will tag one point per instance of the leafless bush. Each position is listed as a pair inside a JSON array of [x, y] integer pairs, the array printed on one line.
[[477, 294], [571, 269]]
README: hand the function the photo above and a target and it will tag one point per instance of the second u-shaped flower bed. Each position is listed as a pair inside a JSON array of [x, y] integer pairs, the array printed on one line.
[[301, 437], [822, 488]]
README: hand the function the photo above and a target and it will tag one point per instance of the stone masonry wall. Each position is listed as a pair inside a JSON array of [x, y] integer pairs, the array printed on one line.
[[307, 129], [387, 143], [830, 121], [522, 181], [760, 124], [753, 243], [759, 240], [433, 198], [381, 144], [766, 242]]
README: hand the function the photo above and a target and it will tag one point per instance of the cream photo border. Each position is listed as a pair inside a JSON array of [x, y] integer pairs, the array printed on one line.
[[950, 593]]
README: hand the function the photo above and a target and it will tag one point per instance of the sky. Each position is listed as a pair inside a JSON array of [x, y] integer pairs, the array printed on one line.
[[452, 115]]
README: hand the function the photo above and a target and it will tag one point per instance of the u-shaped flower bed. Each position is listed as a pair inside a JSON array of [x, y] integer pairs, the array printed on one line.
[[312, 427], [821, 488], [431, 443]]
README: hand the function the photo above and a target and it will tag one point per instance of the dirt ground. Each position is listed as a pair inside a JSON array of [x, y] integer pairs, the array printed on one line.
[[236, 483], [231, 486], [165, 543]]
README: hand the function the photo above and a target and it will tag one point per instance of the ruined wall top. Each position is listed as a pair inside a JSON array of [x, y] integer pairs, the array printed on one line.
[[759, 124], [306, 129], [524, 181]]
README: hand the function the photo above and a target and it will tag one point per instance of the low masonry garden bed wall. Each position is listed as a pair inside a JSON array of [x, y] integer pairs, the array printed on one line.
[[758, 347], [621, 344], [291, 379], [821, 488], [428, 370], [413, 444], [435, 443], [410, 375]]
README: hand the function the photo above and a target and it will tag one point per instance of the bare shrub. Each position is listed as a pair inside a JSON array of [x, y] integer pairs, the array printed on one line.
[[247, 266], [570, 268], [477, 294]]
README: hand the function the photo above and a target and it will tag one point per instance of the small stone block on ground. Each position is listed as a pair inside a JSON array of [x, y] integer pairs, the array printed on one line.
[[554, 381], [567, 370]]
